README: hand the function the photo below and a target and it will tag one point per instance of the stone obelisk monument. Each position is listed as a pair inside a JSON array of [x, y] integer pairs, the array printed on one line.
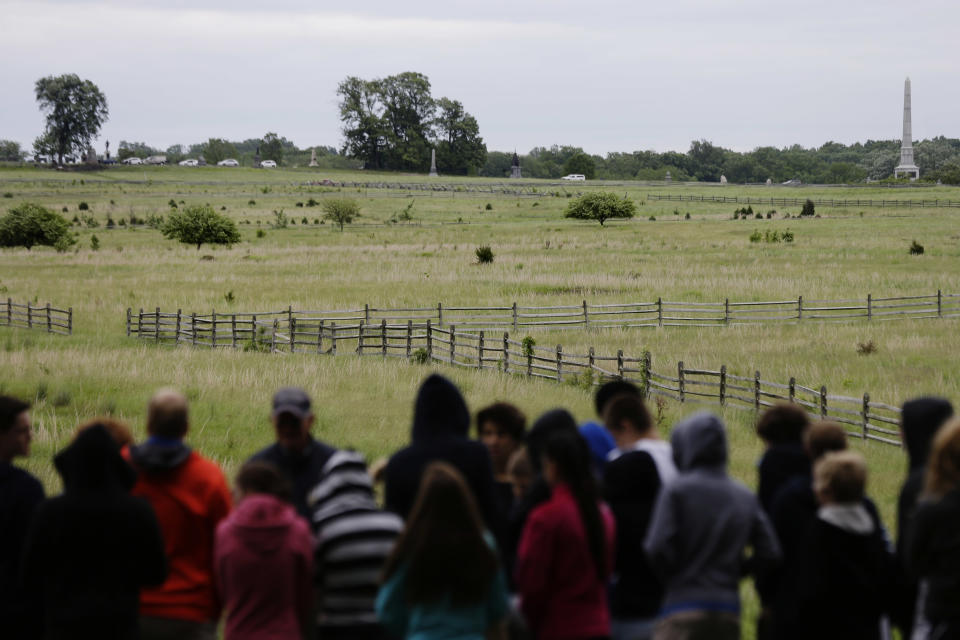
[[906, 167], [433, 163]]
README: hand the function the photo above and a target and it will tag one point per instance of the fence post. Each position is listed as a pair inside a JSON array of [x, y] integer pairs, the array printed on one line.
[[586, 316], [156, 326], [292, 327], [866, 412], [439, 314], [179, 314], [273, 336], [49, 323], [429, 341], [869, 306], [360, 338], [193, 328], [799, 307], [756, 390], [793, 389], [726, 311], [681, 383], [723, 384], [939, 303], [333, 338], [320, 337], [453, 343], [559, 363], [620, 364], [823, 402], [514, 316], [480, 350], [529, 362], [647, 363], [289, 315], [29, 316], [70, 320], [409, 336], [506, 352], [128, 318], [233, 328], [383, 337], [659, 312]]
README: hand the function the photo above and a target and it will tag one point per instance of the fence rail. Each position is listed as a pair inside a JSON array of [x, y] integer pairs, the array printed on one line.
[[658, 313], [44, 317], [495, 350], [519, 189], [826, 202]]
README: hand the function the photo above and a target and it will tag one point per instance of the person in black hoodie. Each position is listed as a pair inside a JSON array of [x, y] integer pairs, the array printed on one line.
[[20, 494], [932, 548], [91, 549], [920, 419], [781, 427], [441, 426]]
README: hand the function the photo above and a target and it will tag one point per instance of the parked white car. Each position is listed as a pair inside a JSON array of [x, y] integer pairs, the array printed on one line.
[[133, 160], [229, 162], [189, 162], [268, 164], [574, 176]]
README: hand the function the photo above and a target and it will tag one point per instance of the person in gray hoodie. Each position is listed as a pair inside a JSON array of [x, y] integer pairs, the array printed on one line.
[[701, 526]]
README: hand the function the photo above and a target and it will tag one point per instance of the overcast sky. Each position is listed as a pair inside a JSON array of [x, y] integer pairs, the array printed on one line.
[[600, 74]]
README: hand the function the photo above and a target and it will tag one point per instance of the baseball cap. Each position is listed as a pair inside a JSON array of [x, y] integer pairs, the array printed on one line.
[[291, 400]]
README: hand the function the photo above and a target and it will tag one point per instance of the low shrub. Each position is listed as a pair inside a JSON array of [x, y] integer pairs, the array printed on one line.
[[756, 236], [83, 206], [261, 233], [420, 356], [484, 255], [866, 348], [916, 249], [489, 207]]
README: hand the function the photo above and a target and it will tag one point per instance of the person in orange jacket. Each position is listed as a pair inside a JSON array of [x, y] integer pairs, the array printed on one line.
[[190, 496]]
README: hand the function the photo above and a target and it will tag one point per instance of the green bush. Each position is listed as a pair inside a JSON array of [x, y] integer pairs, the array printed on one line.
[[341, 210], [201, 225], [94, 242], [756, 236], [30, 224], [420, 356], [261, 233], [808, 208], [489, 207], [484, 255], [916, 249], [83, 206]]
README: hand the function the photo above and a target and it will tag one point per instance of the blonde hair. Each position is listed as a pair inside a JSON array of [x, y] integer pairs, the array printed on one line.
[[118, 430], [943, 467], [843, 474]]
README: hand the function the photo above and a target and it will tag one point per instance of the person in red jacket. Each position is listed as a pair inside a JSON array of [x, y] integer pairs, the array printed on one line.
[[190, 496], [264, 560], [567, 547]]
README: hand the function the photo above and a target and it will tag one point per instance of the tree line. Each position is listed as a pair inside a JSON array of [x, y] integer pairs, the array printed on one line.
[[831, 163]]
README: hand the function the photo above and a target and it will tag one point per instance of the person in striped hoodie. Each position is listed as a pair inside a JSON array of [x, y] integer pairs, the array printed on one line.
[[353, 540]]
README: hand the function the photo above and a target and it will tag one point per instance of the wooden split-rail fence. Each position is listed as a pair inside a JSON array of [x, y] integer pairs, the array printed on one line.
[[43, 317], [452, 188], [826, 202], [495, 350], [658, 313]]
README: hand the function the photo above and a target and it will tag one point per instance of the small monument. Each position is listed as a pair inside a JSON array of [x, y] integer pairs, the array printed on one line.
[[515, 166], [668, 177], [108, 151], [91, 158], [313, 158], [769, 182], [907, 168], [256, 158], [723, 179], [433, 163]]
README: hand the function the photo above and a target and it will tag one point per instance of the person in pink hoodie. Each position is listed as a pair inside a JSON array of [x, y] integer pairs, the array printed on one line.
[[264, 560]]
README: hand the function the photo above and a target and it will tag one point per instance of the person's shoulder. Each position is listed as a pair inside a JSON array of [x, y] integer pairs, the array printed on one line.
[[268, 454], [27, 485]]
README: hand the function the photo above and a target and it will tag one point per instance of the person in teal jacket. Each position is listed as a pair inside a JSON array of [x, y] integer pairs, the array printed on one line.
[[444, 579]]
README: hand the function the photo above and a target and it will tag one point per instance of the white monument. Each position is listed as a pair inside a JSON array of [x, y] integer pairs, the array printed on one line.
[[906, 167], [313, 158], [668, 177], [433, 163], [723, 179]]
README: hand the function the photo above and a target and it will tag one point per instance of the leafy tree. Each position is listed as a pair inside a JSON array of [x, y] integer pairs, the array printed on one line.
[[30, 224], [581, 163], [460, 149], [75, 110], [600, 206], [199, 224], [129, 149], [808, 208], [217, 149], [272, 148], [10, 150], [340, 210], [362, 116], [707, 160], [408, 117]]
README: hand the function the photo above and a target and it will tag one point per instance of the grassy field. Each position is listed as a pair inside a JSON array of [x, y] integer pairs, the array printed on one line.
[[540, 259]]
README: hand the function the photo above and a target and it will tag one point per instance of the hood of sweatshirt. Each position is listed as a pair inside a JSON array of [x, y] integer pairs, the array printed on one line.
[[919, 421], [260, 520], [93, 462], [159, 454], [553, 421], [440, 411], [700, 441]]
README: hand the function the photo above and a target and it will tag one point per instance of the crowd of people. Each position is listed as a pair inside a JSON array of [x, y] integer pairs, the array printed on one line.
[[559, 531]]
